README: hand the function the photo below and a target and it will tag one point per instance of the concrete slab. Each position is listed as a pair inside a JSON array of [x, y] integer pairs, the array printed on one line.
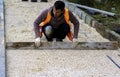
[[62, 63]]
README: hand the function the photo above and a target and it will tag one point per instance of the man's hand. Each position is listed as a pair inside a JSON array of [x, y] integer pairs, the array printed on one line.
[[37, 42], [75, 40]]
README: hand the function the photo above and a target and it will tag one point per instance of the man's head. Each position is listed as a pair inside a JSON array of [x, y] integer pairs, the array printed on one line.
[[58, 8]]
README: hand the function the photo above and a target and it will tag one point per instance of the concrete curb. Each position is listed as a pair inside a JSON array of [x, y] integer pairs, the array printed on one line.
[[2, 44], [109, 34]]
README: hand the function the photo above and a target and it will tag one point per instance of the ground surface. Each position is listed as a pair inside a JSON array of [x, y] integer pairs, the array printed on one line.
[[19, 18]]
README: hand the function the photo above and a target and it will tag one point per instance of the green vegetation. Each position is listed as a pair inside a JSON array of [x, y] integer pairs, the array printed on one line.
[[107, 5]]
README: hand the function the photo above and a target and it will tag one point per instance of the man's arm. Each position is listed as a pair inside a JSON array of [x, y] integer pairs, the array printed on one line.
[[75, 22], [39, 19]]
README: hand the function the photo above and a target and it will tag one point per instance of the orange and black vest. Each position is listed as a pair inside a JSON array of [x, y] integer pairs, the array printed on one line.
[[66, 16]]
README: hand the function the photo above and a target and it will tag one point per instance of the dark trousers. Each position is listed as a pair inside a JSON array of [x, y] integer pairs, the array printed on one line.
[[44, 0], [58, 33]]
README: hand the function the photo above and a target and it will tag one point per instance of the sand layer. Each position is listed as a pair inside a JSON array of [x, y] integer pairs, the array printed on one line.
[[19, 18]]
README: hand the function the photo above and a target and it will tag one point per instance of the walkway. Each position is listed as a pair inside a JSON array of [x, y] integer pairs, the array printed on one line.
[[19, 17]]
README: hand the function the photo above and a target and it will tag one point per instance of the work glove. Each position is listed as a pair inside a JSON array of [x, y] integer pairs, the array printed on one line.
[[75, 40], [37, 42]]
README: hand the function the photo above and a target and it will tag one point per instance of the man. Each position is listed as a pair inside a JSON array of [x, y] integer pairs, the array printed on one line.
[[56, 22]]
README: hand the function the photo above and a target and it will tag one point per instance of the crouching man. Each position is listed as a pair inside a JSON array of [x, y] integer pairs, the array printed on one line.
[[55, 22]]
